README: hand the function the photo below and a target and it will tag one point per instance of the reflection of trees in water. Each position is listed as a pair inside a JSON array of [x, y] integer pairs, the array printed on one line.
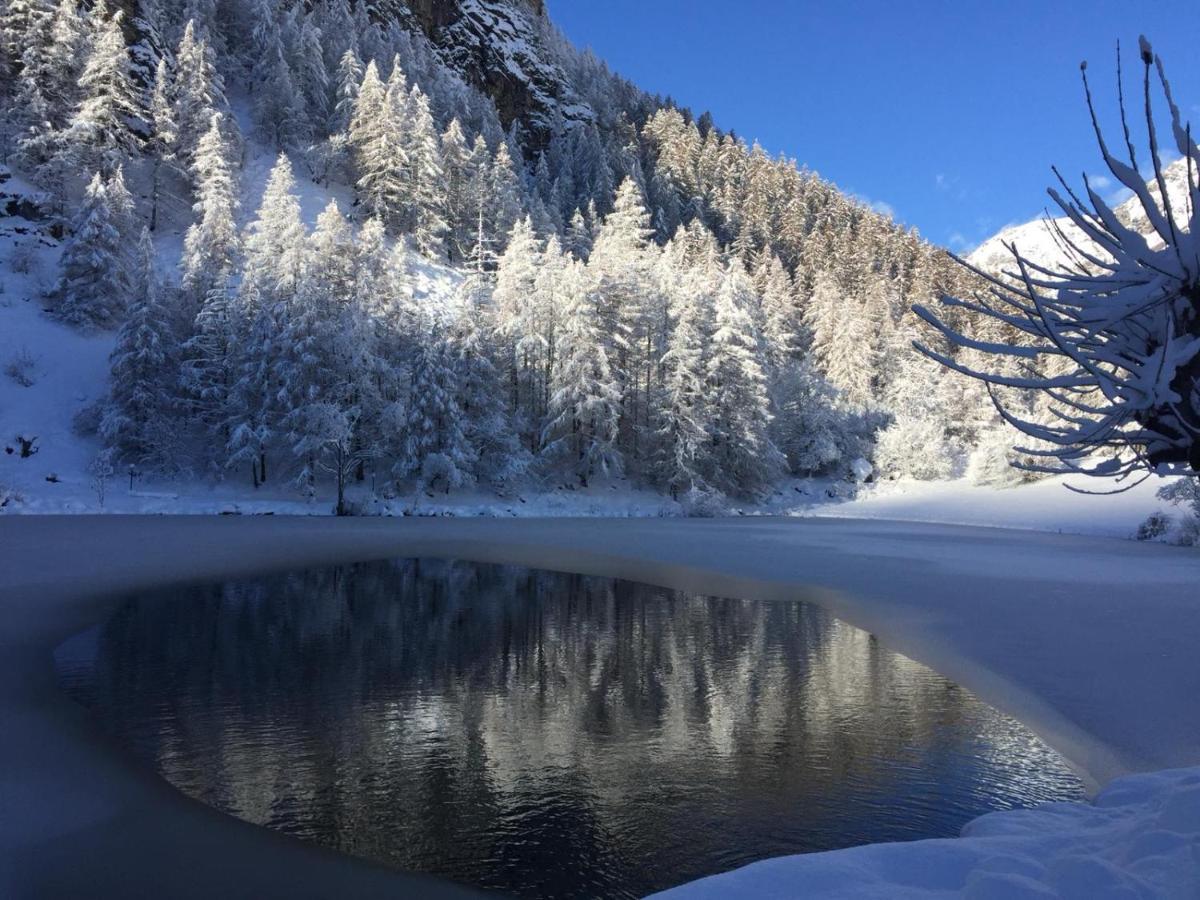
[[450, 699]]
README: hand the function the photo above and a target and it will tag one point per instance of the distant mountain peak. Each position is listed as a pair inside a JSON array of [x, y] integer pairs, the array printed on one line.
[[1039, 240]]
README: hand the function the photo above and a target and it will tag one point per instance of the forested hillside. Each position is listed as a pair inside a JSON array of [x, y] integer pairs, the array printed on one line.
[[527, 271]]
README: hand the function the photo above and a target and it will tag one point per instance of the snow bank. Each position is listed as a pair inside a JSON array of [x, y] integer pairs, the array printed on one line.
[[1048, 505], [1139, 839]]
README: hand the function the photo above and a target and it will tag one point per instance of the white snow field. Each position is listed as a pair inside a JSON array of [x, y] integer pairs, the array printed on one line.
[[1049, 505], [1091, 642]]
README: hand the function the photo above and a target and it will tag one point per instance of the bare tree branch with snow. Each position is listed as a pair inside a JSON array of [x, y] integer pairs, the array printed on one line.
[[1112, 335]]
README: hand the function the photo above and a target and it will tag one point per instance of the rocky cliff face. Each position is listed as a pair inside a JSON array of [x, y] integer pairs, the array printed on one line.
[[498, 46]]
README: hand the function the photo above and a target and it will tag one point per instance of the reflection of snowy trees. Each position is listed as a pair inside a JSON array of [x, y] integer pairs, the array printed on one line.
[[430, 713]]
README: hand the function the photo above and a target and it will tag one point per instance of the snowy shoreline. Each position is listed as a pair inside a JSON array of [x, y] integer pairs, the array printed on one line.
[[1089, 642]]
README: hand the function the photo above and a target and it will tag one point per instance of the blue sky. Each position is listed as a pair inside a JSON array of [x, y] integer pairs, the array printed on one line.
[[948, 113]]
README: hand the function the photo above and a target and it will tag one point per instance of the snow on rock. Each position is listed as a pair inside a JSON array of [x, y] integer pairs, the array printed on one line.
[[1140, 838]]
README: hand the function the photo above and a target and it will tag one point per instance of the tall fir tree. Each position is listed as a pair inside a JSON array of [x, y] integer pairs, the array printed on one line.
[[95, 282], [272, 277], [137, 424], [743, 458], [585, 405], [211, 244]]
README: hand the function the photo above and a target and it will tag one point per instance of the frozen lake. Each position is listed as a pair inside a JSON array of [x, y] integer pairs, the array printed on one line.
[[543, 734]]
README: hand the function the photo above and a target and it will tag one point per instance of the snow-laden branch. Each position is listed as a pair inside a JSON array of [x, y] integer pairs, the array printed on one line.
[[1111, 336]]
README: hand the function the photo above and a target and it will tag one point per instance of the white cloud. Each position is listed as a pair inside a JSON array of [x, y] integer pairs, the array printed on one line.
[[880, 206], [884, 209], [950, 184]]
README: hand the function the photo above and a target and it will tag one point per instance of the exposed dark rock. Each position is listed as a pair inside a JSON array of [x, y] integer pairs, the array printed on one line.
[[496, 45]]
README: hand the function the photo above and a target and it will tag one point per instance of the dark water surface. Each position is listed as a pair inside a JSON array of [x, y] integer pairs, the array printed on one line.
[[546, 735]]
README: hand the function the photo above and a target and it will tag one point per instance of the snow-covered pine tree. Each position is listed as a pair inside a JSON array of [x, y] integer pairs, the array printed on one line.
[[504, 197], [429, 190], [207, 370], [461, 214], [680, 418], [436, 449], [279, 109], [60, 78], [375, 137], [272, 277], [94, 286], [324, 366], [518, 325], [487, 418], [578, 240], [743, 459], [585, 403], [197, 91], [347, 79], [780, 319], [211, 243], [137, 422], [842, 339], [312, 77], [163, 142], [621, 268], [102, 130]]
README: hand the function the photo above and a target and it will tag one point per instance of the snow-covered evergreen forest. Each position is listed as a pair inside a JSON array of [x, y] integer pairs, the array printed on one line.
[[623, 290]]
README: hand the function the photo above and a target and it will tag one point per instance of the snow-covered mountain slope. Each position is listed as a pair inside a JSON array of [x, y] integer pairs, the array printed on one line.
[[53, 375], [1040, 241]]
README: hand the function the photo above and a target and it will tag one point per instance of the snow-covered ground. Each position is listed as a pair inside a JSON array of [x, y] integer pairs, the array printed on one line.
[[1138, 839], [1089, 641], [1049, 505]]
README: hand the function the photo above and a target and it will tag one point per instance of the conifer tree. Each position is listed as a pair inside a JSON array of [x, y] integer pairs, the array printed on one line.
[[211, 242], [164, 136], [272, 277], [429, 189], [197, 89], [743, 458], [347, 79], [101, 130], [380, 157], [504, 195], [578, 240], [207, 369], [136, 424], [779, 317], [460, 212], [95, 281], [435, 448], [312, 77], [63, 65], [681, 418], [487, 418], [518, 326], [585, 405], [621, 269], [323, 365]]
